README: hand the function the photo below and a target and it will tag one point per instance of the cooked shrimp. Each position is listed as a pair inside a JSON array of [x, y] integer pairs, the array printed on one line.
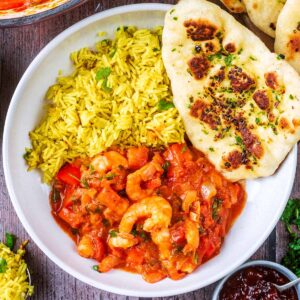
[[109, 160], [156, 210], [190, 197], [109, 262], [150, 172], [162, 240], [91, 246], [191, 205], [122, 240], [191, 235]]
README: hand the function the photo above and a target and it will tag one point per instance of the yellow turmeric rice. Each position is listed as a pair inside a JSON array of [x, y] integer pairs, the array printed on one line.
[[14, 283], [119, 94]]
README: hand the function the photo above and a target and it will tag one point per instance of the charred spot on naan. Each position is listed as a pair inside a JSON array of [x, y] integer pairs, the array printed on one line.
[[240, 81], [234, 160], [293, 45], [199, 66], [200, 30], [205, 113], [250, 140], [236, 6], [230, 47], [261, 99], [271, 80]]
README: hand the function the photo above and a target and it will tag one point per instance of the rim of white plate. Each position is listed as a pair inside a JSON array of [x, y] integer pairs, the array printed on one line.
[[8, 178]]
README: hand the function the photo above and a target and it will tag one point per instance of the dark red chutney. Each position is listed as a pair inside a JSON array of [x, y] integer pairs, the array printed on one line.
[[255, 283]]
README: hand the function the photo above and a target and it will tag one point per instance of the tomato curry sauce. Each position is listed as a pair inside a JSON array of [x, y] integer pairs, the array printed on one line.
[[159, 213]]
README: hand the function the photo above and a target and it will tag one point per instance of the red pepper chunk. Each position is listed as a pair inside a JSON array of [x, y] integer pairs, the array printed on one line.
[[69, 174]]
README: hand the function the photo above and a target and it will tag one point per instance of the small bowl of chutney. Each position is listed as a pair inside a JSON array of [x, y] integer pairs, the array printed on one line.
[[254, 280]]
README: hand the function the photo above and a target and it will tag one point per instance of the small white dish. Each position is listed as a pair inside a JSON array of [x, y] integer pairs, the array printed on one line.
[[266, 197], [272, 265]]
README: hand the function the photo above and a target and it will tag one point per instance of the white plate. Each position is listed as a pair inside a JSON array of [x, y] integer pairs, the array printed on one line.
[[266, 197]]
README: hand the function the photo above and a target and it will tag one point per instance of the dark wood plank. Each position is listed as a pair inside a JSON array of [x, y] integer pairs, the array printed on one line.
[[18, 47]]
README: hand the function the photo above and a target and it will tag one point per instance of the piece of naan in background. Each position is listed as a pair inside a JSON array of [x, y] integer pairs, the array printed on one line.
[[240, 103], [235, 6], [264, 14], [287, 39]]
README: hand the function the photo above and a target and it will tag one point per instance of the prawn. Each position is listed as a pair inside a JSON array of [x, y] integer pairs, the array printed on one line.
[[108, 161], [158, 212], [150, 172], [123, 240], [191, 235], [191, 205]]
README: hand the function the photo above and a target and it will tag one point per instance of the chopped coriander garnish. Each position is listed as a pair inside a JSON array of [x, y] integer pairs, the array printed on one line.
[[103, 73], [291, 97], [217, 202], [211, 149], [184, 148], [175, 18], [172, 10], [10, 240], [155, 49], [110, 176], [240, 51], [166, 166], [55, 195], [280, 56], [228, 60], [104, 86], [174, 49], [134, 232], [239, 141], [213, 56], [113, 233], [252, 57], [257, 121], [84, 183], [143, 235], [3, 265], [105, 222], [165, 105], [95, 268]]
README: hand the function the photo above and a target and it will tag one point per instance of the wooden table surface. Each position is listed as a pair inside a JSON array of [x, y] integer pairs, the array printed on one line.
[[18, 47]]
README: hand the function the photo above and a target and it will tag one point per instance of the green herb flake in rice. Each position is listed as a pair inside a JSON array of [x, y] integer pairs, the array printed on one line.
[[108, 100], [14, 283]]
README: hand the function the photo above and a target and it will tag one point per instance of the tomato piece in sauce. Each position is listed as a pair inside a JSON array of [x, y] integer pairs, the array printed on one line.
[[137, 157], [69, 174]]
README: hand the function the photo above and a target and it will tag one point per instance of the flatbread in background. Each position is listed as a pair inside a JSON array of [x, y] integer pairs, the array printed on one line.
[[240, 103], [235, 6], [287, 39], [264, 13]]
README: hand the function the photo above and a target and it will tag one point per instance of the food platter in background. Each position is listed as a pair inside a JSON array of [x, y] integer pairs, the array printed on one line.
[[19, 12]]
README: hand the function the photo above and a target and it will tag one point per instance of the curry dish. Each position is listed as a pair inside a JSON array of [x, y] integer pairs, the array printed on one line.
[[160, 213]]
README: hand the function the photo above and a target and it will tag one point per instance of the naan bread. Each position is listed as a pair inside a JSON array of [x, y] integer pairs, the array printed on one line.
[[240, 103], [287, 39], [264, 14], [236, 6]]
